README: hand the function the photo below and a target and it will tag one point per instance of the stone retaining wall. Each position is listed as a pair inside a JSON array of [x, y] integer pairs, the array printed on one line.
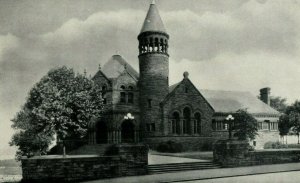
[[128, 160], [232, 153]]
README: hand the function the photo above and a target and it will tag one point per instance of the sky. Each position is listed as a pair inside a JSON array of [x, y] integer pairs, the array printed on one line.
[[240, 45]]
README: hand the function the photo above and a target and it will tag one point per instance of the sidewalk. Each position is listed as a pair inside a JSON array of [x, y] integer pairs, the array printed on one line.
[[203, 174]]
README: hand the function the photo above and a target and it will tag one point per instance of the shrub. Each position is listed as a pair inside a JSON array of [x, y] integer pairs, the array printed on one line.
[[251, 148], [293, 145], [169, 146], [272, 145], [278, 145], [207, 146]]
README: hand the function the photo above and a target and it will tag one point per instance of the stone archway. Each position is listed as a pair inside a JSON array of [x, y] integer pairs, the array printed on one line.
[[127, 132], [101, 133]]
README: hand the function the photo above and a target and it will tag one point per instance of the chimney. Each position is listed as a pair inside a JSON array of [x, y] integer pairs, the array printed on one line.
[[265, 95]]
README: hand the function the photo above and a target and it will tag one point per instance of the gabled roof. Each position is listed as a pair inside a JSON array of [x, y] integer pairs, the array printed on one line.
[[153, 21], [116, 65], [98, 74], [173, 87], [231, 101]]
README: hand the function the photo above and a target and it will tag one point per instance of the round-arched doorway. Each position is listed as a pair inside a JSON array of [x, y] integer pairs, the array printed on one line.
[[127, 132], [101, 133]]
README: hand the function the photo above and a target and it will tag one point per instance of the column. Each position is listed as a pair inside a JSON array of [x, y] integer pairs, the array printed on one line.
[[94, 137], [108, 134], [113, 136], [192, 126], [135, 138], [119, 136], [181, 126]]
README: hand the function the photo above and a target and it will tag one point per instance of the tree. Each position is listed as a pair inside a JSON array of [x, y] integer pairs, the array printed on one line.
[[278, 103], [292, 118], [61, 103], [245, 125]]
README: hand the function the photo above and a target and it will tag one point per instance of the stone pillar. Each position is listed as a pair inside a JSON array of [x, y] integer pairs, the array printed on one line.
[[109, 137], [192, 126], [231, 153], [135, 137], [119, 136], [181, 126], [113, 136]]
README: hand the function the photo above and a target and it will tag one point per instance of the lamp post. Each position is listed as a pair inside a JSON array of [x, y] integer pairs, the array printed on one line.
[[229, 120]]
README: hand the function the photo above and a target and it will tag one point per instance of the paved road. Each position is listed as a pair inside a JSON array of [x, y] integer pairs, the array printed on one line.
[[212, 174], [283, 177]]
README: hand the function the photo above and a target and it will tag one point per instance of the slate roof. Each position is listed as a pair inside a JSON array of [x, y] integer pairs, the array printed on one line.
[[116, 66], [153, 21], [231, 101]]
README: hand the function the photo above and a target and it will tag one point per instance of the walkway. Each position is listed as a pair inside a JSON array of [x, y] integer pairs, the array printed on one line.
[[203, 174]]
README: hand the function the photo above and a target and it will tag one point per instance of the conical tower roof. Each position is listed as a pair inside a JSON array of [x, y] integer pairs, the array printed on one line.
[[153, 21]]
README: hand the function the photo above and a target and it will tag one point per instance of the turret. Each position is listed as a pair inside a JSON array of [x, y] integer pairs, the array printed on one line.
[[154, 70]]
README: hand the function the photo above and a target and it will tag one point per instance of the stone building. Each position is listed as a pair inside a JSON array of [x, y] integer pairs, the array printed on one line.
[[142, 107]]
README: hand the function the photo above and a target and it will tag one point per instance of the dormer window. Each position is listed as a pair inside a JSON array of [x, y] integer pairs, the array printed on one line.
[[122, 87]]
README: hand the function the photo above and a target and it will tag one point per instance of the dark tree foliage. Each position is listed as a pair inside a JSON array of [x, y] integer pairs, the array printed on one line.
[[245, 125], [290, 121], [284, 125], [61, 103], [278, 103]]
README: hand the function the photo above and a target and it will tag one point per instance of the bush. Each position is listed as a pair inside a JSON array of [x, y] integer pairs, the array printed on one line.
[[206, 146], [272, 145], [169, 146], [293, 145], [278, 145], [251, 148]]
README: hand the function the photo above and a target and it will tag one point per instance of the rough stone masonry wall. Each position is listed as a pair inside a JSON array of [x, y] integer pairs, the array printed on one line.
[[189, 143], [128, 160], [154, 86], [233, 153]]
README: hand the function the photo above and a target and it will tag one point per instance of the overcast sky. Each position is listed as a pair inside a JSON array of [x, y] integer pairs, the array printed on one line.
[[225, 45]]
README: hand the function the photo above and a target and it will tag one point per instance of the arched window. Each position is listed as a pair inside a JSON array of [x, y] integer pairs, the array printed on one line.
[[123, 97], [130, 97], [151, 48], [104, 87], [197, 123], [103, 93], [175, 123], [122, 94], [130, 87], [156, 45], [186, 121], [161, 45]]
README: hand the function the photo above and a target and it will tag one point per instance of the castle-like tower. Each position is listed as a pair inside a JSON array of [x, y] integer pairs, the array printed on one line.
[[154, 71]]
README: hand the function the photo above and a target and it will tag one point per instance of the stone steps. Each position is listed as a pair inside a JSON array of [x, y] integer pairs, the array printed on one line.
[[163, 168]]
